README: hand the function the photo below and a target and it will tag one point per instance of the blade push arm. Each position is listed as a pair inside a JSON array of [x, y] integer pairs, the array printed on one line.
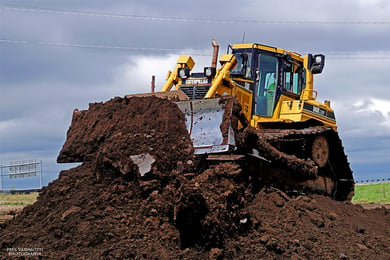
[[228, 61]]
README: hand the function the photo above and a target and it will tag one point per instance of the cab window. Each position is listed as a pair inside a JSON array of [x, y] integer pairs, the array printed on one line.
[[243, 68], [293, 78], [266, 85]]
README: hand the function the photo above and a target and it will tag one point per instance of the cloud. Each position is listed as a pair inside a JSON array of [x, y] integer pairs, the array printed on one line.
[[365, 134], [136, 74], [374, 107], [364, 117]]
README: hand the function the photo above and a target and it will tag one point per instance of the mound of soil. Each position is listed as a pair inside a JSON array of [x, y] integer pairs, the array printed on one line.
[[111, 132], [106, 208]]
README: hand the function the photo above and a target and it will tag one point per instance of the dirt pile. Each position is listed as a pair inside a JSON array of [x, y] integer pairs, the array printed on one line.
[[106, 208], [111, 132]]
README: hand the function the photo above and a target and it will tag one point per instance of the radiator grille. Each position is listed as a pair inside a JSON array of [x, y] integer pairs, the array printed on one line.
[[195, 92]]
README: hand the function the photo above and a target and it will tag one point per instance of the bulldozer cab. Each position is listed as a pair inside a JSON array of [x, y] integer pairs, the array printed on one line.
[[267, 74]]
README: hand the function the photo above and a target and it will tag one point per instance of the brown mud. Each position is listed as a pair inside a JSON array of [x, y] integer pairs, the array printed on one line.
[[105, 209]]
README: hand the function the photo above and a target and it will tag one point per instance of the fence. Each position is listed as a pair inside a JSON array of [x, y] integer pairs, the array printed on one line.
[[373, 180], [21, 169]]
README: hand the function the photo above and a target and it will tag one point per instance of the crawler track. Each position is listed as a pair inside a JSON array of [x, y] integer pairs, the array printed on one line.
[[322, 145]]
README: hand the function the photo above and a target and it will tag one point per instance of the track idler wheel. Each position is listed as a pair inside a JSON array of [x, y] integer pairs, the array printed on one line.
[[320, 151]]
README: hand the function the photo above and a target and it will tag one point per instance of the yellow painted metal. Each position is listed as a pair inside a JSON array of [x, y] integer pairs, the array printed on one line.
[[225, 91], [244, 96], [257, 46], [173, 77], [228, 61], [291, 110], [255, 120], [226, 58], [187, 61], [308, 93], [263, 47]]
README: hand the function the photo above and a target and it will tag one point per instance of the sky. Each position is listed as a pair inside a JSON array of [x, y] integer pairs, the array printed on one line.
[[59, 55]]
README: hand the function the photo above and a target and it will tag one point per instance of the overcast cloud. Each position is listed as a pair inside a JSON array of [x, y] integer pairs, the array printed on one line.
[[59, 55]]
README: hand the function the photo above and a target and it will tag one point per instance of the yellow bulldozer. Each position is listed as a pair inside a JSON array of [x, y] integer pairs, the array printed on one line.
[[274, 88], [259, 110]]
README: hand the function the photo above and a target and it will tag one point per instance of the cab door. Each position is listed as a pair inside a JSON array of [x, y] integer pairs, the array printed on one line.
[[266, 85]]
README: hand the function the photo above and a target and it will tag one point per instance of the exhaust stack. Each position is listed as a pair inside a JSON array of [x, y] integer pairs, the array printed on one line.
[[215, 54]]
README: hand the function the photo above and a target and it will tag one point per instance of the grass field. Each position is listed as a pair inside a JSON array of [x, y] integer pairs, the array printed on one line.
[[18, 199], [372, 193]]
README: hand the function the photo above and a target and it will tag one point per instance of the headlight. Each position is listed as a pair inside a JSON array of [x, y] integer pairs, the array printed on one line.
[[209, 71], [184, 73], [318, 58], [316, 63]]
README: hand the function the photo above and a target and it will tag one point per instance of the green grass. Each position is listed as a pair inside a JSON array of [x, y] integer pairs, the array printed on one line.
[[18, 198], [372, 193]]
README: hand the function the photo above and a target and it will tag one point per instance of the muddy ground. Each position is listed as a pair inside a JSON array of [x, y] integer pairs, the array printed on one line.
[[373, 205], [8, 212], [107, 209]]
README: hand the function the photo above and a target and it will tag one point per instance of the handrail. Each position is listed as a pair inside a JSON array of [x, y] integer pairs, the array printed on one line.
[[307, 94]]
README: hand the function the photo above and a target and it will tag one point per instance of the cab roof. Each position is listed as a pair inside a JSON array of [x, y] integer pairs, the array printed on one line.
[[263, 47]]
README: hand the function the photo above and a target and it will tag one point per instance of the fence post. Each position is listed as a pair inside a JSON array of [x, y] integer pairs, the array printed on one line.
[[153, 83], [1, 174], [40, 177]]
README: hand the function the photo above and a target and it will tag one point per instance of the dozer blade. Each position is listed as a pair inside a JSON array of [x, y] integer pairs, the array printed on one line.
[[208, 123]]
